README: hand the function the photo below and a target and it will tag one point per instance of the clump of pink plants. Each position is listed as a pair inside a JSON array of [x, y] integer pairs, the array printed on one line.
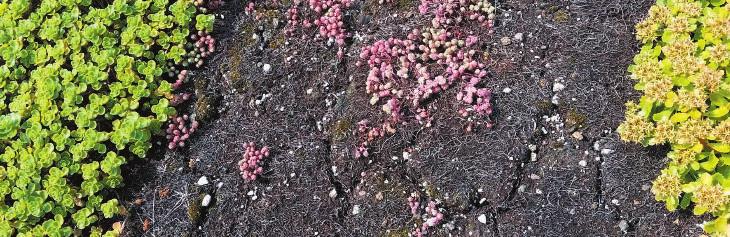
[[179, 130], [405, 75], [326, 15], [250, 165], [205, 5], [432, 215], [203, 46]]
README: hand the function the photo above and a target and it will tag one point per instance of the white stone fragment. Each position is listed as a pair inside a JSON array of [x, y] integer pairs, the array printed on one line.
[[202, 181], [206, 201], [482, 218]]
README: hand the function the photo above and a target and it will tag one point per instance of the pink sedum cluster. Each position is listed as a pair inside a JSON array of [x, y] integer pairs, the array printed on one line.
[[178, 99], [328, 20], [451, 12], [178, 131], [250, 165], [180, 79], [431, 218], [205, 5], [250, 8], [414, 203], [406, 74], [203, 47]]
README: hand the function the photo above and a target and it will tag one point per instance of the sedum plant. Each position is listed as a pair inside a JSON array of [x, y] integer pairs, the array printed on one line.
[[81, 93], [682, 70]]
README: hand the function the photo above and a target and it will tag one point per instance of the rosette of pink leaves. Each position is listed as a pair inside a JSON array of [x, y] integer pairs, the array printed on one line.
[[204, 46], [450, 12], [180, 79], [250, 8], [431, 218], [328, 20], [250, 165], [178, 99], [179, 130], [205, 5]]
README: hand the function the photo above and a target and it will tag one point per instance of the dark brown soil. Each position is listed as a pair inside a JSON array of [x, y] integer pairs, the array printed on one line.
[[568, 188]]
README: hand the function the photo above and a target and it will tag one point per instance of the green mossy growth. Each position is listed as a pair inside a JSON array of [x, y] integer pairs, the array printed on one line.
[[340, 129], [195, 209], [205, 107], [575, 119]]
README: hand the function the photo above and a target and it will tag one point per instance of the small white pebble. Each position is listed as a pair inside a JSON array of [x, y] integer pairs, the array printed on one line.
[[538, 191], [615, 202], [606, 151], [309, 91], [623, 225], [333, 193], [219, 185], [482, 218], [356, 209], [267, 68], [558, 87], [506, 90], [202, 181], [534, 176], [206, 201], [582, 163], [251, 193]]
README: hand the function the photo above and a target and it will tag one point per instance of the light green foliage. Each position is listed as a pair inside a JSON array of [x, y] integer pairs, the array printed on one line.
[[682, 69], [80, 90]]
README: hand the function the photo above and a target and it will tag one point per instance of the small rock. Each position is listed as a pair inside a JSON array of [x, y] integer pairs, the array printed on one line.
[[251, 193], [482, 218], [379, 196], [506, 41], [558, 87], [582, 163], [522, 188], [596, 146], [645, 187], [518, 37], [267, 68], [356, 209], [219, 185], [534, 176], [507, 90], [533, 156], [406, 155], [206, 201], [202, 181], [333, 193], [578, 136], [309, 91], [615, 202], [606, 151], [623, 225], [538, 191]]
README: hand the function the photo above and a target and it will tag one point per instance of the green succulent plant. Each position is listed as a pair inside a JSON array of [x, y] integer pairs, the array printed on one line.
[[80, 86], [683, 69]]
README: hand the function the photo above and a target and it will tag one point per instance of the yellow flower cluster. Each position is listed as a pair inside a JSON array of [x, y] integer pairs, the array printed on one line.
[[635, 129], [692, 99], [666, 186], [711, 198], [689, 132], [682, 70], [684, 157], [722, 132]]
